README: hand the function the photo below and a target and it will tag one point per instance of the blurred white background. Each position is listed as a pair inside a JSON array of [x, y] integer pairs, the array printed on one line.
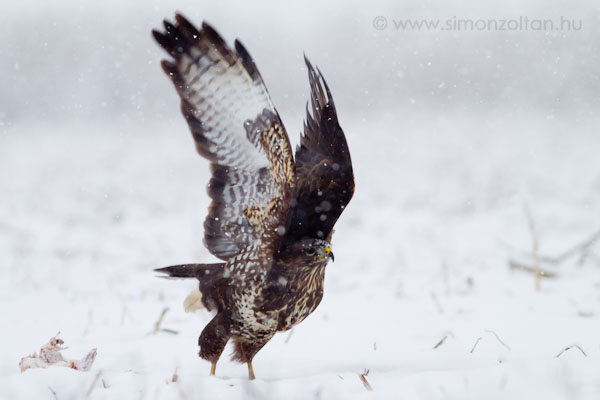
[[95, 61], [451, 134]]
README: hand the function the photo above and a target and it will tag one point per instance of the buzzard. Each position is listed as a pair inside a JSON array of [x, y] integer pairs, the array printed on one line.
[[272, 215]]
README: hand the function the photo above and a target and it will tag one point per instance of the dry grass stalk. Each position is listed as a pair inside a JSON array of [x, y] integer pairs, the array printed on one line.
[[363, 379], [583, 249], [475, 345], [569, 348], [160, 320], [53, 393], [535, 247], [498, 338], [441, 342], [515, 265]]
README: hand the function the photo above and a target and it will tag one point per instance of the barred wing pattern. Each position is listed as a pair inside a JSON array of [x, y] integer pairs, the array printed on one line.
[[324, 176], [235, 126]]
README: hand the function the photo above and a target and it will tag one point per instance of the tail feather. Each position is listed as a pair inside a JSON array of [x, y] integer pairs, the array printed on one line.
[[211, 277], [188, 270]]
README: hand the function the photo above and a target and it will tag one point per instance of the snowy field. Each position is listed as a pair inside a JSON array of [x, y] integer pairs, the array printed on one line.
[[421, 294]]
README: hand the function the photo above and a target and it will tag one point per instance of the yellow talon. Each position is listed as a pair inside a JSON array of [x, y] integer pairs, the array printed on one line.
[[251, 371], [213, 368]]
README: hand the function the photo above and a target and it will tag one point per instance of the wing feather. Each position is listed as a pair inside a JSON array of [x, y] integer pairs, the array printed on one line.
[[235, 126], [324, 176]]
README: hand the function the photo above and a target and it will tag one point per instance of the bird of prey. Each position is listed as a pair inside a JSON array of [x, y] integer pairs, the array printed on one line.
[[272, 215]]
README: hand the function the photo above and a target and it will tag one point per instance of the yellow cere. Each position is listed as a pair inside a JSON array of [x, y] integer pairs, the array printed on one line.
[[327, 250]]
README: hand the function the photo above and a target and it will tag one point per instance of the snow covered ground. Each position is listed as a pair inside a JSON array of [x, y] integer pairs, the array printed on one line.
[[421, 254], [100, 184]]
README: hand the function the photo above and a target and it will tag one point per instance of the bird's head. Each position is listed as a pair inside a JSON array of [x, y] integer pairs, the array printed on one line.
[[312, 250]]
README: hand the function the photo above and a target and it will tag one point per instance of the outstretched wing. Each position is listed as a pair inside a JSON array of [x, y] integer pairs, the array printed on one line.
[[235, 126], [324, 177]]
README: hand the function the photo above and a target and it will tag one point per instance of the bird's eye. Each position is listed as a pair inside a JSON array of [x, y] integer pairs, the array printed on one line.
[[310, 251]]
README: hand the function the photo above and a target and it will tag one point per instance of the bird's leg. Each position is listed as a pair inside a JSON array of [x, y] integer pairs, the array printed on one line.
[[245, 350], [213, 339], [251, 371]]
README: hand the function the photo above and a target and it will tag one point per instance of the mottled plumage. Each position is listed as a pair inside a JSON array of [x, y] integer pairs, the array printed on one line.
[[271, 217]]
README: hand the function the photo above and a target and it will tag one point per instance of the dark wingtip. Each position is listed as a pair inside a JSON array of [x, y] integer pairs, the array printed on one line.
[[240, 48], [320, 94], [187, 26], [161, 39], [168, 25], [211, 32], [307, 61], [217, 42], [156, 34], [181, 19], [329, 97], [207, 26], [247, 61], [168, 66]]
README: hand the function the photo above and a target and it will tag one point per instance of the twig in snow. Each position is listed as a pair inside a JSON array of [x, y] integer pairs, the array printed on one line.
[[53, 392], [475, 345], [441, 342], [569, 348], [582, 247], [175, 377], [498, 337], [91, 389], [363, 379], [522, 267], [160, 320], [104, 384]]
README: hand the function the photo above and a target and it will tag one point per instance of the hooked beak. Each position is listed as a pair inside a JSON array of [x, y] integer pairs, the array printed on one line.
[[329, 253]]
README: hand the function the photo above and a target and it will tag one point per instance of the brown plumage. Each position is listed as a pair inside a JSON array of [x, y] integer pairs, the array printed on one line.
[[271, 218]]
